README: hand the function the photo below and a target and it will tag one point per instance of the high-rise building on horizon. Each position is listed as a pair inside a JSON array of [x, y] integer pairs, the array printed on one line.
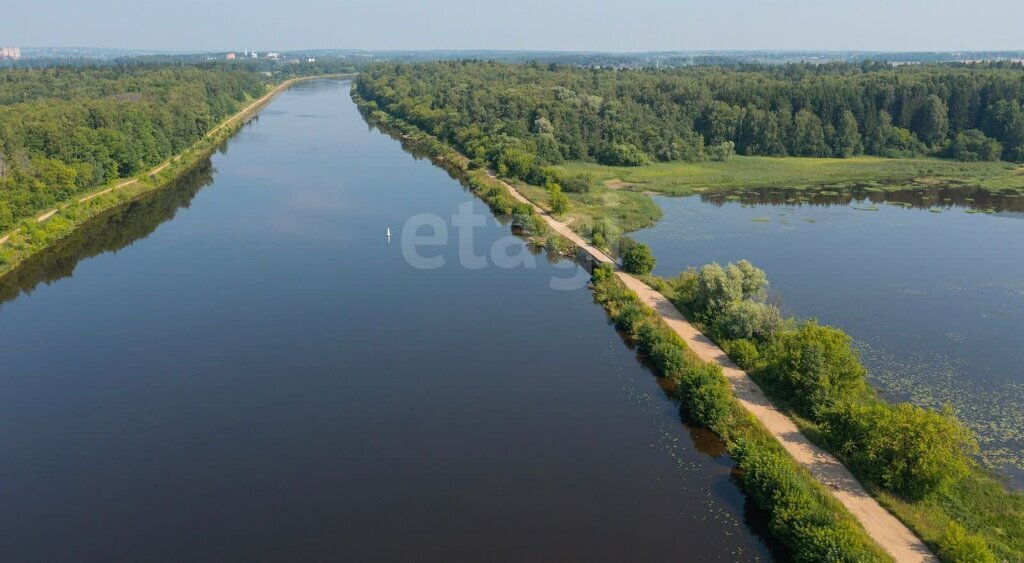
[[13, 53]]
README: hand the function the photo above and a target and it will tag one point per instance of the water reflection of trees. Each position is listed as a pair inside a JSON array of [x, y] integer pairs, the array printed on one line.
[[924, 197], [107, 232]]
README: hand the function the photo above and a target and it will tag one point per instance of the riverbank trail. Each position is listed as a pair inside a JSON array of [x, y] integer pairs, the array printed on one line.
[[891, 534], [240, 114]]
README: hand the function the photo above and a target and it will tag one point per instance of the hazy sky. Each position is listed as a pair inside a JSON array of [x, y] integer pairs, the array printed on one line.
[[628, 25]]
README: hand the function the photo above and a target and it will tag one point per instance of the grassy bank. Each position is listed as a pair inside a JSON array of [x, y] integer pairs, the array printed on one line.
[[918, 463], [749, 172], [32, 236]]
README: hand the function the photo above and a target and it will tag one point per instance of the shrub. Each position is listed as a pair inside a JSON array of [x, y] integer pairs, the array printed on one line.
[[629, 316], [502, 204], [577, 184], [972, 145], [830, 543], [912, 451], [815, 366], [605, 234], [957, 545], [623, 154], [683, 287], [753, 280], [559, 201], [638, 260], [624, 244], [668, 357], [798, 514], [649, 334], [515, 162], [602, 272], [749, 320], [714, 292], [722, 151], [744, 353], [707, 394]]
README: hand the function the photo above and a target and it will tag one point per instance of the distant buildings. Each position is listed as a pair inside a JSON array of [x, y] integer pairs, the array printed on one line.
[[311, 60], [269, 55], [10, 53]]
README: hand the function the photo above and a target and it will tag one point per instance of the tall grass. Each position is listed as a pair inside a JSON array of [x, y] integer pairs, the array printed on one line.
[[684, 178]]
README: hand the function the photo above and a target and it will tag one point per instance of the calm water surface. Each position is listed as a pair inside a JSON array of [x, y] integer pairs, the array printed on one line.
[[933, 294], [242, 367]]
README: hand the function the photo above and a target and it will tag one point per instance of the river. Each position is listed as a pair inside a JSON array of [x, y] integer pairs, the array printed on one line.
[[243, 366]]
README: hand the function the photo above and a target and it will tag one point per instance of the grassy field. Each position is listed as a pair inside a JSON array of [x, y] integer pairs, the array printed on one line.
[[628, 210], [684, 178]]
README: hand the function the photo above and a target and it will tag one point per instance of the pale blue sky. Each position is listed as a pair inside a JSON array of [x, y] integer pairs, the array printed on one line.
[[633, 25]]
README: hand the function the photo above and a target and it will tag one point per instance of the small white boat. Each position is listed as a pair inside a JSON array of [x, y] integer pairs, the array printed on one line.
[[389, 232]]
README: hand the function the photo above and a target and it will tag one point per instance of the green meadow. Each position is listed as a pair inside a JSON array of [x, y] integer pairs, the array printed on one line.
[[685, 178]]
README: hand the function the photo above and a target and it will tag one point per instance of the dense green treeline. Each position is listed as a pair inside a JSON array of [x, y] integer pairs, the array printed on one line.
[[65, 131], [520, 118]]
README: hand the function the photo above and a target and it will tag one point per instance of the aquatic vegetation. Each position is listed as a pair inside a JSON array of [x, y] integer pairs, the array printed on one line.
[[957, 337]]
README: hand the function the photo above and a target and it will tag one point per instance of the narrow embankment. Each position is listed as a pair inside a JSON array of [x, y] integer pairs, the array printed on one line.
[[241, 114], [891, 534]]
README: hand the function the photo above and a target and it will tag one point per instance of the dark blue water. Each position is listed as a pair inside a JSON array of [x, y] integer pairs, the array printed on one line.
[[934, 295], [243, 367]]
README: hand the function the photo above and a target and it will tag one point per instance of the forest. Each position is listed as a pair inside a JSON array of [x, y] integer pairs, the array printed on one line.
[[520, 118], [68, 130]]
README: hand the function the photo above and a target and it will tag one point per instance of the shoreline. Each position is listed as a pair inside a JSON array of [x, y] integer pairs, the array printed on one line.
[[892, 535], [86, 206]]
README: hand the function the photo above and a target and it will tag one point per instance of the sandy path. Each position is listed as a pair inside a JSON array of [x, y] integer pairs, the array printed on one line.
[[46, 215], [891, 534]]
